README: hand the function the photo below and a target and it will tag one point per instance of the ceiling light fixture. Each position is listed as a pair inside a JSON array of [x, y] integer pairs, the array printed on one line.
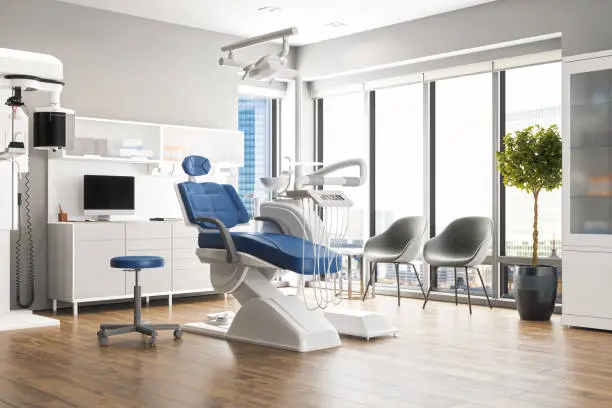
[[336, 24], [269, 9]]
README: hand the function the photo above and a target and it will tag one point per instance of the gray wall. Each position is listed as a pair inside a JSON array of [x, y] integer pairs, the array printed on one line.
[[121, 67], [584, 24]]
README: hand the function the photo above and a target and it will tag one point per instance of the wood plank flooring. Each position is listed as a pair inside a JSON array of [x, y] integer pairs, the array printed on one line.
[[443, 357]]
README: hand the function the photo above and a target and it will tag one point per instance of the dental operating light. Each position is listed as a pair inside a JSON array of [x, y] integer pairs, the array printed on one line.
[[268, 67]]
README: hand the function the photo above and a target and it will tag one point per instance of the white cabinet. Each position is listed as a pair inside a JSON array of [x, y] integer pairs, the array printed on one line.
[[188, 272], [587, 191], [95, 278], [587, 282], [153, 239], [80, 254]]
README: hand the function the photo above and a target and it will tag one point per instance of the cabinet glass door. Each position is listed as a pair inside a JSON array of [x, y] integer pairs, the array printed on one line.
[[591, 152]]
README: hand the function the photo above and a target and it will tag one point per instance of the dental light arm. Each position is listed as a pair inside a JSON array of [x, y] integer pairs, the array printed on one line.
[[266, 67], [259, 39], [319, 177]]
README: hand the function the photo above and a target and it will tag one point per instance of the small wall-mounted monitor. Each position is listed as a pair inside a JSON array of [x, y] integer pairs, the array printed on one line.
[[108, 195]]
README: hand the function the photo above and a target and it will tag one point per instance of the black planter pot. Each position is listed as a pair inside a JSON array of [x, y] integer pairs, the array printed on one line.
[[535, 291]]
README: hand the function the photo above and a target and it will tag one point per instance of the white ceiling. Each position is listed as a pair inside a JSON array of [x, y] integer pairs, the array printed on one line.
[[311, 17]]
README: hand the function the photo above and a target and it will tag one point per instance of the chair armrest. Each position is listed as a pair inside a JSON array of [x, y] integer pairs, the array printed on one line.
[[272, 221], [228, 242]]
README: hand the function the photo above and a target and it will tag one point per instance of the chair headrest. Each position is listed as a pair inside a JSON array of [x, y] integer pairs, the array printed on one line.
[[196, 165]]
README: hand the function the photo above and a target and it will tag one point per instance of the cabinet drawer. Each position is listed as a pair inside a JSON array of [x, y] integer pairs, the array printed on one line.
[[178, 253], [153, 280], [146, 244], [97, 231], [150, 230], [185, 243], [587, 282], [183, 231], [186, 280], [187, 263], [93, 276]]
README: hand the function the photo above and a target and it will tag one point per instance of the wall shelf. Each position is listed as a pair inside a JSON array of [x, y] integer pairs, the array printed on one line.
[[102, 140], [107, 159]]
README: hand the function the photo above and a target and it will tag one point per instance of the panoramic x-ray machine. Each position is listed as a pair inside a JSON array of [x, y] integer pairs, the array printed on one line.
[[52, 128]]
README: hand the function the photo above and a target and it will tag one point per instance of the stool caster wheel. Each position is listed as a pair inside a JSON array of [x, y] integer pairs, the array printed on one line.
[[153, 341], [178, 333], [103, 338]]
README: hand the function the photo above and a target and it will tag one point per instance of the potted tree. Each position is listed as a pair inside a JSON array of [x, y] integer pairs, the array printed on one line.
[[531, 161]]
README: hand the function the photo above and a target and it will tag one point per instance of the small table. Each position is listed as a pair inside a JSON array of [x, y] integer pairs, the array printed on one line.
[[350, 253]]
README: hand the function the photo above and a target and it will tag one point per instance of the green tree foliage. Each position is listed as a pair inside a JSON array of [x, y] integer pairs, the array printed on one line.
[[531, 161]]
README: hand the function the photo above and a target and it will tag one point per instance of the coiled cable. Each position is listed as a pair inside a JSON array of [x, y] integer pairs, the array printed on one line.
[[29, 249]]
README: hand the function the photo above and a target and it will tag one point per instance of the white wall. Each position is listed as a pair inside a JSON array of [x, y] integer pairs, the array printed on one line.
[[584, 24], [120, 67]]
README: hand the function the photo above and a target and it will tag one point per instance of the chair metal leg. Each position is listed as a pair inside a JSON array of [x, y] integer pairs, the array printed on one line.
[[372, 269], [120, 330], [456, 301], [163, 326], [398, 283], [146, 330], [427, 296], [484, 288], [418, 279], [467, 283], [114, 326]]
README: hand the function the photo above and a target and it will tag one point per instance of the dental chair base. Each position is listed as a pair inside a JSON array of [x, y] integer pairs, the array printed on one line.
[[361, 323], [266, 317]]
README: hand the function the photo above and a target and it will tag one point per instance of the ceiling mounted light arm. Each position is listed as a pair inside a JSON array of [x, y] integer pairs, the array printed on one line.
[[266, 68], [260, 39]]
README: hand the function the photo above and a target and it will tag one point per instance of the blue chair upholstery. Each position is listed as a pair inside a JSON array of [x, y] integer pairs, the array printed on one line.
[[137, 262], [283, 251], [213, 200], [223, 203], [196, 165]]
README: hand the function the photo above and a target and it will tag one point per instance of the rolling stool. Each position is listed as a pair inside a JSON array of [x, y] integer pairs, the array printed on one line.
[[136, 264]]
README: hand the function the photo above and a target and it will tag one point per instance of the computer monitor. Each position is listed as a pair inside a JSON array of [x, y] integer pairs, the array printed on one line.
[[108, 195]]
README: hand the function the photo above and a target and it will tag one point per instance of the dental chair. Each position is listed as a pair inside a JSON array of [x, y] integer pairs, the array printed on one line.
[[244, 263]]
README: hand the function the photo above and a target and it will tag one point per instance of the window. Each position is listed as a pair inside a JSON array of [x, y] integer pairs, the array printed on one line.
[[399, 167], [532, 96], [463, 161], [344, 137], [255, 120]]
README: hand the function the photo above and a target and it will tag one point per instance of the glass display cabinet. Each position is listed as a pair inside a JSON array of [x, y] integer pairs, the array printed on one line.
[[587, 191]]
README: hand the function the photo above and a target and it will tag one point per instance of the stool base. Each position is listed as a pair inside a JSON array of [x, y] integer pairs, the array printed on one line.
[[107, 330]]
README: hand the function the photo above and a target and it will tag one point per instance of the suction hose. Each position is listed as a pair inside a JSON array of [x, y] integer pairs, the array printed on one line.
[[29, 249]]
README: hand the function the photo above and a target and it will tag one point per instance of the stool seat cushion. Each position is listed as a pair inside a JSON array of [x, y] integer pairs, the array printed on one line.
[[137, 262]]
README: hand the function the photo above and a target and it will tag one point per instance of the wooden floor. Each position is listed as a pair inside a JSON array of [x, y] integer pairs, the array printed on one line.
[[442, 358]]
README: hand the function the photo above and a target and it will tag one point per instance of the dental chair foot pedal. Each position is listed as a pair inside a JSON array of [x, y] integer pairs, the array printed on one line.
[[359, 323]]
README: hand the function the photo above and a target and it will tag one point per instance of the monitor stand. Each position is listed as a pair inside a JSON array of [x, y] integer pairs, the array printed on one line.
[[103, 218]]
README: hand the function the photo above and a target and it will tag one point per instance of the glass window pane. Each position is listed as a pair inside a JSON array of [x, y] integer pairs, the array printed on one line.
[[463, 160], [345, 137], [399, 167], [399, 154], [464, 163], [533, 97], [255, 120]]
